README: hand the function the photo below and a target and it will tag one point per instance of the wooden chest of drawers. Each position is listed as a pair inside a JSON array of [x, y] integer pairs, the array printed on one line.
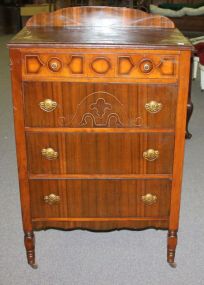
[[100, 112]]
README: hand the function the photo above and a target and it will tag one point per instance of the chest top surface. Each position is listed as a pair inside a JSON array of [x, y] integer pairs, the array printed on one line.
[[102, 26]]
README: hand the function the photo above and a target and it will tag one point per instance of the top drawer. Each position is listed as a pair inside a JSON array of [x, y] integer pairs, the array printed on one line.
[[141, 65]]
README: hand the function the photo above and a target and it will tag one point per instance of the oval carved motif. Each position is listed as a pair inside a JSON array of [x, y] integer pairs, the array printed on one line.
[[101, 65]]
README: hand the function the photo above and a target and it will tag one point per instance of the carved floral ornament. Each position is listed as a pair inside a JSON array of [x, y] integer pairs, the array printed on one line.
[[100, 115]]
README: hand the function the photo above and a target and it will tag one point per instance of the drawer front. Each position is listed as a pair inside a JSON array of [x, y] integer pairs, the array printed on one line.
[[142, 64], [98, 105], [100, 198], [100, 153]]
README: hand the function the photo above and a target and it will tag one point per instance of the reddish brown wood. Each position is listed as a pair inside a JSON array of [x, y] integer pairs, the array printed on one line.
[[16, 76], [84, 64], [100, 153], [101, 225], [99, 17], [29, 241], [93, 38], [85, 105], [179, 140], [100, 199], [171, 247], [100, 176], [100, 82]]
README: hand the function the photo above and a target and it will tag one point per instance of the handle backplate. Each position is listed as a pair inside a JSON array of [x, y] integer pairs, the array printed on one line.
[[149, 199], [151, 154], [48, 105], [153, 107], [49, 153], [52, 199]]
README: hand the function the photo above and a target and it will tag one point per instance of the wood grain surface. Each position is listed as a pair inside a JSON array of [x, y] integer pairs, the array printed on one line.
[[99, 16], [100, 199], [100, 153], [99, 80], [99, 105]]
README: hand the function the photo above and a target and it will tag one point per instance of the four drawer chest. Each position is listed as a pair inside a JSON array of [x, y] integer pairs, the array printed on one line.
[[99, 99]]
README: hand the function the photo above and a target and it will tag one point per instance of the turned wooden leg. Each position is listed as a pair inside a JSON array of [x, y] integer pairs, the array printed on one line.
[[29, 241], [189, 114], [171, 247]]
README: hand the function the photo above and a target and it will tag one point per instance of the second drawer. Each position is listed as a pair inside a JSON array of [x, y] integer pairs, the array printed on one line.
[[100, 153]]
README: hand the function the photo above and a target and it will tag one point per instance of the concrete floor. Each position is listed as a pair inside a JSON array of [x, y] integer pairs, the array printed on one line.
[[85, 258]]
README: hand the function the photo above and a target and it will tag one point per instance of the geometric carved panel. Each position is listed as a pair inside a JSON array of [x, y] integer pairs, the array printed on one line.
[[76, 64], [138, 65], [101, 65], [33, 64], [167, 66], [125, 65]]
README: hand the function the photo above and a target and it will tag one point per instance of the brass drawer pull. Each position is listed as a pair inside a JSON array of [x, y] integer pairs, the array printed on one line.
[[49, 153], [52, 199], [146, 66], [149, 199], [48, 105], [153, 107], [55, 64], [151, 154]]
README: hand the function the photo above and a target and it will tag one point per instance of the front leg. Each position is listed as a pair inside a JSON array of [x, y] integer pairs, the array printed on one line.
[[29, 241], [171, 247]]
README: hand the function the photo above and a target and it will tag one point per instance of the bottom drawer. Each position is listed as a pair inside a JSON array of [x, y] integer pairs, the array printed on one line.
[[97, 198]]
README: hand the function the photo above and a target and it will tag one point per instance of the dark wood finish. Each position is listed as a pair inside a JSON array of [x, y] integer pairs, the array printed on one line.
[[16, 77], [100, 199], [100, 153], [29, 241], [109, 16], [96, 121], [119, 37], [108, 224], [171, 247], [87, 105]]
